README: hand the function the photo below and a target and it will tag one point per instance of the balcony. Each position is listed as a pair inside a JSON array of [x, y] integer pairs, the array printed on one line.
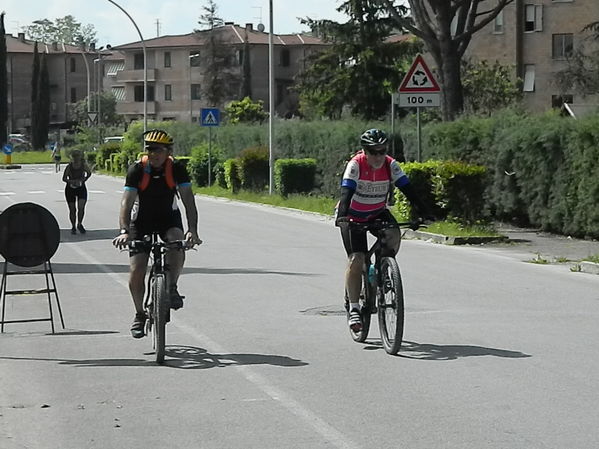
[[135, 76], [135, 107]]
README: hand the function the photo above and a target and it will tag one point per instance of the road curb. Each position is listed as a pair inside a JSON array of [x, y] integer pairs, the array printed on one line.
[[452, 240], [589, 267]]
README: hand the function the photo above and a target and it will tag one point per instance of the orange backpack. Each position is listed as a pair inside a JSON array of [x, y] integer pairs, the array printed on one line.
[[168, 173]]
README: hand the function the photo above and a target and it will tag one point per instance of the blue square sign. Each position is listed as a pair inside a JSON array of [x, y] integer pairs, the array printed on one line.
[[210, 117]]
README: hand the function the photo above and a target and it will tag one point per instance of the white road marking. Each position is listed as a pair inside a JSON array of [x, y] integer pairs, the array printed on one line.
[[332, 435], [96, 191], [6, 193], [37, 192]]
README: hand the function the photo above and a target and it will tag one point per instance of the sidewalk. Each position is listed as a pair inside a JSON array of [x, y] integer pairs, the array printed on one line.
[[546, 245]]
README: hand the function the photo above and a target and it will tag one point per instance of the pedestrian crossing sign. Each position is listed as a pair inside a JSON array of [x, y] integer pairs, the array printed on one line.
[[210, 117]]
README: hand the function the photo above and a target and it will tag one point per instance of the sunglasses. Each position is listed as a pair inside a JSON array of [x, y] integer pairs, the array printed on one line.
[[151, 148], [379, 152]]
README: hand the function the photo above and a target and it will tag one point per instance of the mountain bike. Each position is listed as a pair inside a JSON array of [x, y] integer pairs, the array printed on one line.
[[382, 289], [157, 302]]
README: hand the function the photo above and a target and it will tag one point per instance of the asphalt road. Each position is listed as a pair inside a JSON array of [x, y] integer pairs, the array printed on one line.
[[498, 353]]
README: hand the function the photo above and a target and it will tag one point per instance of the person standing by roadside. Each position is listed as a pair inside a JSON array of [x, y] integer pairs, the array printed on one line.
[[56, 156], [75, 175]]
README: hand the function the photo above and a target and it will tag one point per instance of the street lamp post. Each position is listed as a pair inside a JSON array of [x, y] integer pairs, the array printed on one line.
[[271, 102], [143, 44]]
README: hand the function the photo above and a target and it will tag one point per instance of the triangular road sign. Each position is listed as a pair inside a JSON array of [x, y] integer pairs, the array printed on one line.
[[210, 119], [419, 79], [92, 116]]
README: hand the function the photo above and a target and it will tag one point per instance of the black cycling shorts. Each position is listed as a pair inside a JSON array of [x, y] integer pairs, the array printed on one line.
[[139, 229], [73, 195], [356, 241]]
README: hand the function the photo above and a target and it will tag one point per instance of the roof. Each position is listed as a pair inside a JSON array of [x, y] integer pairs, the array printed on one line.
[[231, 34], [22, 45]]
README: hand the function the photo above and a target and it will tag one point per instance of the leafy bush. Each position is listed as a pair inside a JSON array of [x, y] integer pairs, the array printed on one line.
[[232, 175], [245, 111], [254, 168], [198, 166], [294, 175]]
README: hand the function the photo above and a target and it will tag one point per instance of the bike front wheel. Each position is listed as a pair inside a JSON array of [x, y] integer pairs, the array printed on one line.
[[390, 306], [159, 311]]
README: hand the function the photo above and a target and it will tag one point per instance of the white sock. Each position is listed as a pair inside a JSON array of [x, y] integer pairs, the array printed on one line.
[[354, 305]]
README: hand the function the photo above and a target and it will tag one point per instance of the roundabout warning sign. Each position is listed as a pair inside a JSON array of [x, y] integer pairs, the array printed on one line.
[[419, 88]]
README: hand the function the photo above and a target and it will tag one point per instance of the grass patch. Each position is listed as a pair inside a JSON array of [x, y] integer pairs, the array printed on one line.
[[454, 229], [318, 204], [594, 258], [31, 157], [539, 260]]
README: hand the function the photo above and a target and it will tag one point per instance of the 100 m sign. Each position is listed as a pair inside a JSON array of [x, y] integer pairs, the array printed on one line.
[[418, 100]]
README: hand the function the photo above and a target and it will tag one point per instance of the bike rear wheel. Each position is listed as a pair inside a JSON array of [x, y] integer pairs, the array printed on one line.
[[390, 306], [160, 308], [366, 309]]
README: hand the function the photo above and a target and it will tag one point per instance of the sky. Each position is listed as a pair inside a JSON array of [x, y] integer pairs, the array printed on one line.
[[176, 16]]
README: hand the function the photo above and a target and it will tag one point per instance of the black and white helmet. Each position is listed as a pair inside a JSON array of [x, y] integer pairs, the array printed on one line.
[[373, 138]]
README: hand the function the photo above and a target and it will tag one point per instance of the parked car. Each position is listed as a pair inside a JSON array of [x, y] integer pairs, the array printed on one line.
[[117, 139]]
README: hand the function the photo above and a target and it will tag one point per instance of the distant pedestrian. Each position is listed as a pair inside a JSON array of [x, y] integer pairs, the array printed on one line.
[[75, 175], [56, 156]]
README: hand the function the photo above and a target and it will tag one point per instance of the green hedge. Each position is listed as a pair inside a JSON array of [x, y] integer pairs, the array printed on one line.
[[544, 169], [254, 168], [231, 175], [450, 190], [294, 175]]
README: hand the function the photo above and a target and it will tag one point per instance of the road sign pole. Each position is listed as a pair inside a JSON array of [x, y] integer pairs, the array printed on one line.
[[418, 135], [209, 154]]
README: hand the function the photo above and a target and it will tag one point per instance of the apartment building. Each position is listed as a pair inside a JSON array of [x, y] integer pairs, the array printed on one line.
[[536, 37], [176, 71], [71, 75]]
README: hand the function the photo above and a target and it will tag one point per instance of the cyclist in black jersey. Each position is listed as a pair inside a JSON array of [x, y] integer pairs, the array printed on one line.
[[149, 205]]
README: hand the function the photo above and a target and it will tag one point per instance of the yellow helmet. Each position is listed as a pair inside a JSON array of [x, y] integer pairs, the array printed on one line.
[[157, 136]]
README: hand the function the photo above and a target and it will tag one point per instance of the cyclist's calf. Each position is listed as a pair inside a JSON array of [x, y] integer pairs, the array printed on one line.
[[390, 241]]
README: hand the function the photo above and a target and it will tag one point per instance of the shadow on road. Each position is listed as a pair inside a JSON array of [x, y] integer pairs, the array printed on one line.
[[91, 234], [81, 268], [183, 357], [419, 351], [190, 357]]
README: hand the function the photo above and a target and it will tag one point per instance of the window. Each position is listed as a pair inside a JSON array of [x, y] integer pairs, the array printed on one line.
[[194, 59], [138, 61], [529, 78], [139, 93], [240, 56], [196, 92], [167, 59], [285, 57], [533, 18], [73, 65], [168, 92], [557, 101], [498, 23], [563, 45], [73, 95]]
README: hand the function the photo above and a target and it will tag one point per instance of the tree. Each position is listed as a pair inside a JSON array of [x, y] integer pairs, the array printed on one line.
[[40, 101], [488, 88], [3, 84], [582, 67], [43, 105], [34, 96], [246, 111], [107, 108], [220, 82], [360, 68], [446, 27], [66, 30]]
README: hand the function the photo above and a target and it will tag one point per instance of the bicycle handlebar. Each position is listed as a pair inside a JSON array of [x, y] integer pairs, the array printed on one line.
[[148, 244]]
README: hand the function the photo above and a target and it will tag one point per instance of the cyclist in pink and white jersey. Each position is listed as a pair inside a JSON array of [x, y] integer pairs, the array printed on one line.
[[367, 182]]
